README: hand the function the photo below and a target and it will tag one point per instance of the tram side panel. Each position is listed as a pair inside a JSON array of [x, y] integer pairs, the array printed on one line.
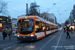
[[50, 29], [39, 30]]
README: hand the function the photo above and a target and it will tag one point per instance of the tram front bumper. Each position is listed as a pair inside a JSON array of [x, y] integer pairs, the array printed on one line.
[[28, 38]]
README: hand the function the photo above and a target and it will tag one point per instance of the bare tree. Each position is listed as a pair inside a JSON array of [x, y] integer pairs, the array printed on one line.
[[3, 7]]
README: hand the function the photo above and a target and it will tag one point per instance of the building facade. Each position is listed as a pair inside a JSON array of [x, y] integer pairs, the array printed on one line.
[[49, 16], [52, 16], [14, 23], [34, 9], [5, 22], [72, 17]]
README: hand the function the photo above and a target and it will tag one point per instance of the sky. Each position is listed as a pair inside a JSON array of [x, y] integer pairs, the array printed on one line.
[[60, 8]]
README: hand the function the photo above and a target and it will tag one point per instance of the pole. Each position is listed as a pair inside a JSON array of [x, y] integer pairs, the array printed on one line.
[[26, 8]]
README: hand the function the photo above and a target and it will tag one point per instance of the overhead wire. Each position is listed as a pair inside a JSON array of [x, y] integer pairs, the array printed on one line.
[[54, 4], [57, 3], [29, 1], [16, 10], [62, 12], [48, 8]]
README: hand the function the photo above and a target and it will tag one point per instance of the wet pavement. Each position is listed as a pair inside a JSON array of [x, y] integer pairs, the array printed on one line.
[[55, 41]]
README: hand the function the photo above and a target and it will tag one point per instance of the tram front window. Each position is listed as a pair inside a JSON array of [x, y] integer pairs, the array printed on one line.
[[25, 26]]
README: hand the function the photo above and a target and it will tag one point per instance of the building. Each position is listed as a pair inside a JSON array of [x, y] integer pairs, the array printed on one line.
[[34, 9], [72, 17], [52, 16], [49, 16], [14, 23], [5, 22]]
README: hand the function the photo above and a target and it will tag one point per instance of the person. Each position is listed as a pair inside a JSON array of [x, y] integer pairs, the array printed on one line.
[[64, 29], [68, 35], [6, 31], [71, 30], [4, 34], [10, 33]]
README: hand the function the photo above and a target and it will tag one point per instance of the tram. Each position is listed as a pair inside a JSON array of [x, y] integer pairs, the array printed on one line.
[[32, 28]]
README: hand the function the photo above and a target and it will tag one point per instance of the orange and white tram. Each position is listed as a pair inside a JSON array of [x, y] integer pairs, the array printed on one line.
[[32, 28]]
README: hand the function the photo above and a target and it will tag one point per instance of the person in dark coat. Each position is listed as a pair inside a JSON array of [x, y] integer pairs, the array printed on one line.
[[71, 30], [68, 35], [4, 34], [64, 29]]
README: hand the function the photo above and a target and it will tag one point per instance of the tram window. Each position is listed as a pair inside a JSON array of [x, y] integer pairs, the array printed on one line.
[[47, 28], [43, 28], [25, 26], [19, 20], [38, 26], [37, 23]]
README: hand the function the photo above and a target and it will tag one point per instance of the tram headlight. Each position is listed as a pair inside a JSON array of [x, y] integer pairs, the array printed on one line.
[[17, 35], [32, 35]]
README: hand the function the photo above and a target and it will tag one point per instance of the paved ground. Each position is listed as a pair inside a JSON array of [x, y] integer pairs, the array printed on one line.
[[55, 41], [0, 34]]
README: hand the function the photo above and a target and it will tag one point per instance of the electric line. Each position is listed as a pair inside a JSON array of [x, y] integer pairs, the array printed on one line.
[[29, 1], [59, 2]]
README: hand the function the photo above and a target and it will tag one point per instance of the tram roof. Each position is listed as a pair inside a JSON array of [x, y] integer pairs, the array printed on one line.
[[44, 20]]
